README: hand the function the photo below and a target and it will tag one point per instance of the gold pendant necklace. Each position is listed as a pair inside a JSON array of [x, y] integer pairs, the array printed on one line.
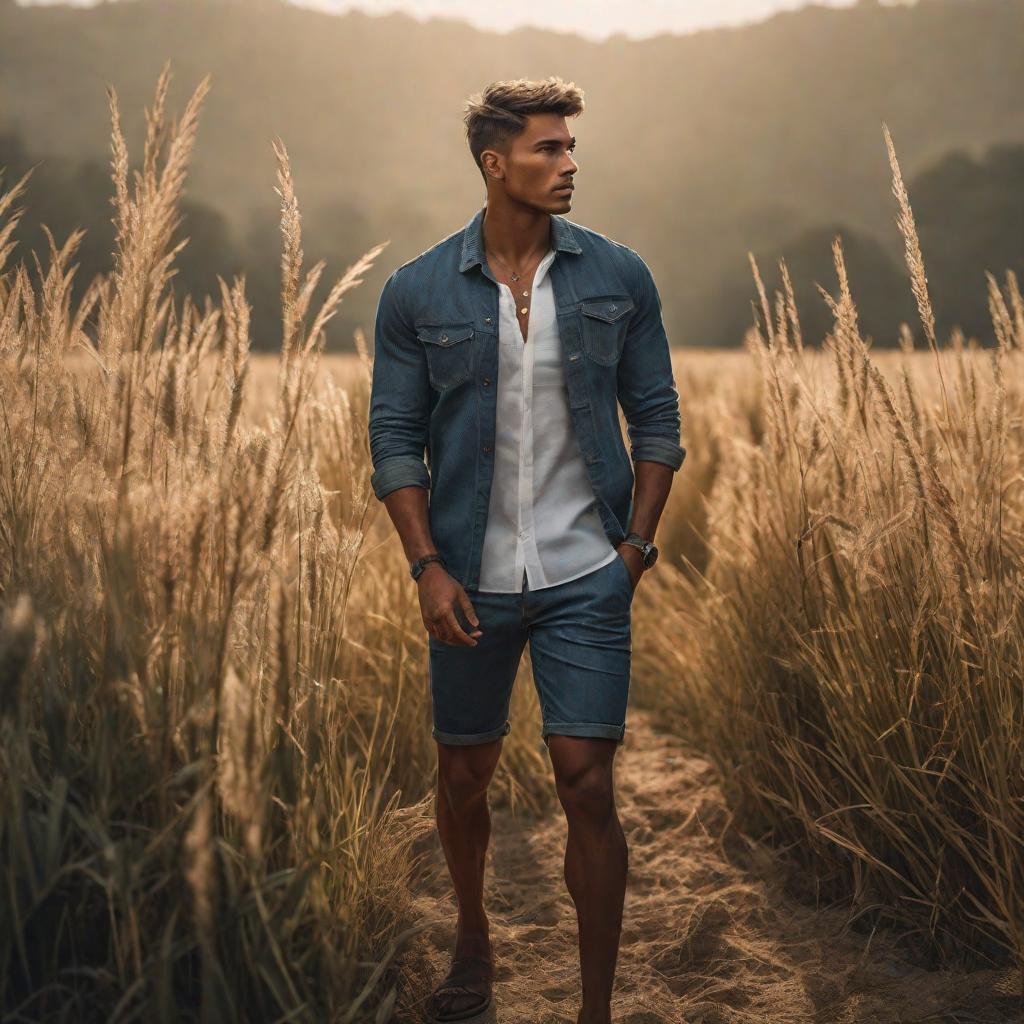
[[515, 277]]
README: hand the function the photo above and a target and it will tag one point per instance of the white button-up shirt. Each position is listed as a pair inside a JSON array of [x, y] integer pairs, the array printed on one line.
[[542, 518]]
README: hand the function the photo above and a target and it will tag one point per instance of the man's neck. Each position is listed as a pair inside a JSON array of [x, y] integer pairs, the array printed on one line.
[[516, 233]]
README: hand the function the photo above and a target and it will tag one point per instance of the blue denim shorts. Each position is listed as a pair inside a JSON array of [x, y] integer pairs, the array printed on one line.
[[580, 649]]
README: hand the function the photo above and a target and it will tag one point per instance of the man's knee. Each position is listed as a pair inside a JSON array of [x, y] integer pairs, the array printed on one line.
[[464, 773], [586, 789]]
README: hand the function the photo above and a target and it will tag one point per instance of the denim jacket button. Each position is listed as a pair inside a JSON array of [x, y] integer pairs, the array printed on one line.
[[487, 447], [612, 308], [487, 380], [444, 337]]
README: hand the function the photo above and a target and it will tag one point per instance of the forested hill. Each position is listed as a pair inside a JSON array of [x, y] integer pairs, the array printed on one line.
[[693, 149]]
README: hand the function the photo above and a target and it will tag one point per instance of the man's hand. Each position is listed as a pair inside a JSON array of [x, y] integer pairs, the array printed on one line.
[[634, 562], [440, 595]]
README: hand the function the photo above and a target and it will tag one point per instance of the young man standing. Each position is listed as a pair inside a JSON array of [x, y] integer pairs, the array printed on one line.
[[503, 352]]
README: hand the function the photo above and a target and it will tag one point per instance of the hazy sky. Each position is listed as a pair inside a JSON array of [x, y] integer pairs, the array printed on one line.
[[594, 18]]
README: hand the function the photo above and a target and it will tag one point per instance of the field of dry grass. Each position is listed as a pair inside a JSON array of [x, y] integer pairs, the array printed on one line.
[[215, 756]]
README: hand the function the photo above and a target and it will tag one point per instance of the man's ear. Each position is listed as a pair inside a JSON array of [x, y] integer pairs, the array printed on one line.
[[492, 165]]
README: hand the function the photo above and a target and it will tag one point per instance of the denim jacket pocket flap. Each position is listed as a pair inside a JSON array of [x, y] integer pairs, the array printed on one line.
[[443, 335], [608, 310], [449, 353]]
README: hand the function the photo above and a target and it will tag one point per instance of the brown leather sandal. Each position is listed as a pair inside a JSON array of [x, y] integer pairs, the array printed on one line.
[[467, 979]]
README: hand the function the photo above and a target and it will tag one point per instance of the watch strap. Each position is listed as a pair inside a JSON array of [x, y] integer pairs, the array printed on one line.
[[647, 548], [417, 567]]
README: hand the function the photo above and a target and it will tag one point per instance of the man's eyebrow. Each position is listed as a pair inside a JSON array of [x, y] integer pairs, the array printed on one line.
[[545, 142]]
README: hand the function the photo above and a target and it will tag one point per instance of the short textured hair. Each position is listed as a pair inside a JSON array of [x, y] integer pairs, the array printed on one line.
[[499, 112]]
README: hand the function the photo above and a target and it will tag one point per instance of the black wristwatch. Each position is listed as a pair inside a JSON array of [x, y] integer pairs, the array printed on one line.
[[417, 567], [647, 548]]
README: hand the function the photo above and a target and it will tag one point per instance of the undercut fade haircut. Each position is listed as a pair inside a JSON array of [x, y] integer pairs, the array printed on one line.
[[496, 115]]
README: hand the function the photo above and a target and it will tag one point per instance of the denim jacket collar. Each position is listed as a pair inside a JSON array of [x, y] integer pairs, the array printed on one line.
[[473, 241]]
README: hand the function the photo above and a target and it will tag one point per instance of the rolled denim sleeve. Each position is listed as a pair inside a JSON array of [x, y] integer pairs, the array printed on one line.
[[399, 414], [646, 387]]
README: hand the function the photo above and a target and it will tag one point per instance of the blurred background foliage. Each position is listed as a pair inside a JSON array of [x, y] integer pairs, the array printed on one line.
[[694, 149]]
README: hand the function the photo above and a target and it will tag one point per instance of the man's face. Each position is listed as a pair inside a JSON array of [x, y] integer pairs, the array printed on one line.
[[539, 164]]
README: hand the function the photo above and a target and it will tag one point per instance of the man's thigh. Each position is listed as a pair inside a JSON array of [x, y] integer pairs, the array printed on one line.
[[471, 687], [580, 649]]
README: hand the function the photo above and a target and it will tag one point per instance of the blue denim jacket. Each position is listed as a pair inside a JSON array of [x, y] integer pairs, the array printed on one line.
[[435, 376]]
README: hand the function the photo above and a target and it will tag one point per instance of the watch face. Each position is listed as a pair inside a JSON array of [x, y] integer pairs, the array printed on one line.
[[651, 557]]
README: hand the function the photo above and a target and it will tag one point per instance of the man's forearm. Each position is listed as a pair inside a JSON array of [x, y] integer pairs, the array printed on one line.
[[653, 481], [407, 507]]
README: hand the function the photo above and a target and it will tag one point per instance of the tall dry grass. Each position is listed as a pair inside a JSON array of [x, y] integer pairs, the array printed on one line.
[[851, 654], [215, 754], [215, 757]]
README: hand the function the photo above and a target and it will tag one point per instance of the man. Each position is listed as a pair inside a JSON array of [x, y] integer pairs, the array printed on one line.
[[503, 351]]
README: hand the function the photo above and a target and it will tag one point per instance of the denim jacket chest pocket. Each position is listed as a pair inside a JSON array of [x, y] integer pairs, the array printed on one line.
[[603, 323], [449, 352]]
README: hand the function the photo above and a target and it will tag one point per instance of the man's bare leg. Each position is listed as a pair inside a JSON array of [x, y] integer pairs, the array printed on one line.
[[596, 862], [464, 827]]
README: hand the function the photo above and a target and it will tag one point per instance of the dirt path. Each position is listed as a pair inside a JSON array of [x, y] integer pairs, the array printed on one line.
[[705, 940]]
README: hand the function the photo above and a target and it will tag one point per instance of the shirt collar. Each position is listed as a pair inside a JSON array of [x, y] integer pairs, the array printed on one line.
[[562, 239]]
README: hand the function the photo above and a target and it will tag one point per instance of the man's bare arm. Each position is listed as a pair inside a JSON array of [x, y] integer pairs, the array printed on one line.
[[650, 494], [407, 507]]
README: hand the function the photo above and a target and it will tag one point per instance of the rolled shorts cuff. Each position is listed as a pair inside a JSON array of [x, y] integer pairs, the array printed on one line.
[[466, 739], [598, 730]]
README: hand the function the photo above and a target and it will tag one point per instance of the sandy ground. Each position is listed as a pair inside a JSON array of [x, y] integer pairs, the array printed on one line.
[[709, 936]]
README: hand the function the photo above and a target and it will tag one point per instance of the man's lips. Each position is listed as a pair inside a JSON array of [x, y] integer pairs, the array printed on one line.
[[565, 188]]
